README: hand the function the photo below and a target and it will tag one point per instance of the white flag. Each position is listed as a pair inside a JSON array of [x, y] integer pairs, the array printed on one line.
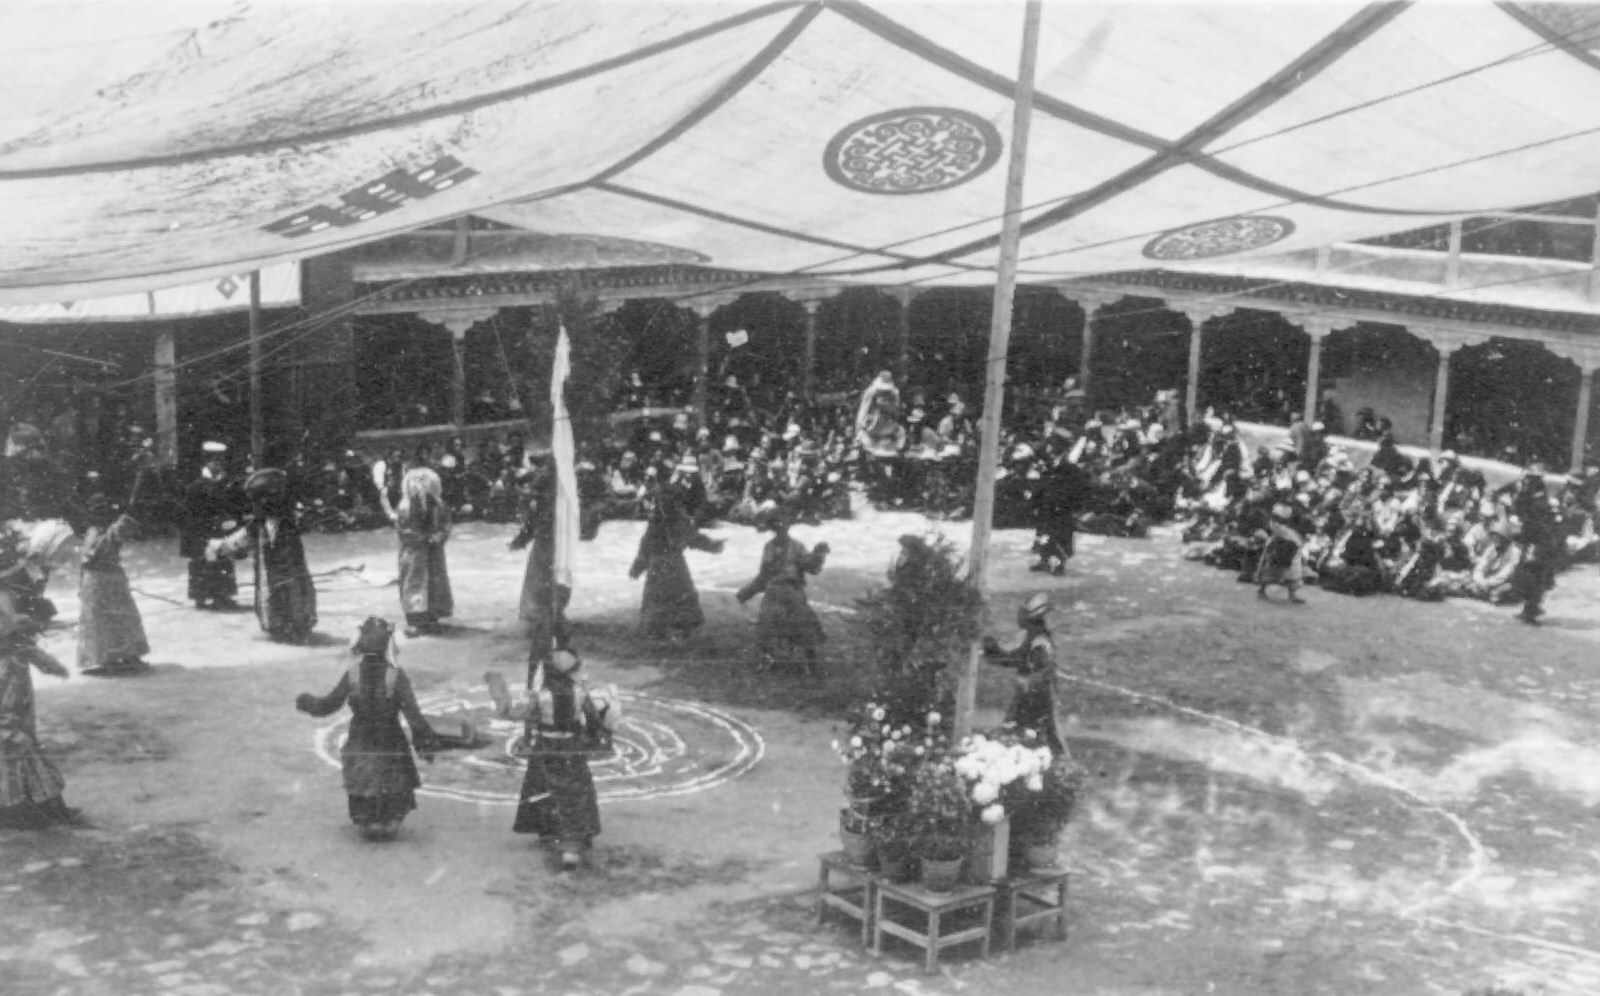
[[564, 453]]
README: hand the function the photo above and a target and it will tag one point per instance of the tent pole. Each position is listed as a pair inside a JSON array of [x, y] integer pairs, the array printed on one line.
[[258, 437], [999, 340]]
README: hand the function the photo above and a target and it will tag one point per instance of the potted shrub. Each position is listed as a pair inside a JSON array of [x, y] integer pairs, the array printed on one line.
[[941, 817], [892, 844]]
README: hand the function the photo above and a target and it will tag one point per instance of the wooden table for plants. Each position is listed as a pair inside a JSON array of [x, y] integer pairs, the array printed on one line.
[[939, 911], [855, 897], [1034, 896]]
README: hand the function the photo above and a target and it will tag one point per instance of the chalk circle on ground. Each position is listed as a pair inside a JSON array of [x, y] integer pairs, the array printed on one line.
[[664, 748]]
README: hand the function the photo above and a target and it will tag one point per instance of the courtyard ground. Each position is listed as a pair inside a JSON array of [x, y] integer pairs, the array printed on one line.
[[1349, 797]]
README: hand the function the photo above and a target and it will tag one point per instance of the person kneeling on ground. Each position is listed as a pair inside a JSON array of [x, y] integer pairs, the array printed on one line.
[[380, 776]]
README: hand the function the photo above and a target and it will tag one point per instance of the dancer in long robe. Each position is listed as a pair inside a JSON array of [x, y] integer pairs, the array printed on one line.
[[558, 800], [671, 605], [423, 521], [30, 786], [110, 630], [211, 510], [786, 619], [1033, 707], [380, 776], [286, 599]]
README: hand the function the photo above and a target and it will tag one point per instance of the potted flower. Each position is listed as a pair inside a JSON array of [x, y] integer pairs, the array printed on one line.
[[1002, 769], [1039, 818], [892, 844], [940, 816]]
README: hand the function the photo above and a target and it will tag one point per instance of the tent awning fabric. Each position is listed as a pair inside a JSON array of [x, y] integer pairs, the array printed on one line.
[[158, 144]]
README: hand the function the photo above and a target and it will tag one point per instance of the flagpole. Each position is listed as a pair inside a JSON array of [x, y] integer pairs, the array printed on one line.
[[999, 341]]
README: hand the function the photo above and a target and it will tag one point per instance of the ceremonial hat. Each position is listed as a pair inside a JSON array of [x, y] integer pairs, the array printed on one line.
[[266, 481], [1036, 606], [374, 636]]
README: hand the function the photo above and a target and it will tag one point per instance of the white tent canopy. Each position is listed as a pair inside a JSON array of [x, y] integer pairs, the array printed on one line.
[[151, 145]]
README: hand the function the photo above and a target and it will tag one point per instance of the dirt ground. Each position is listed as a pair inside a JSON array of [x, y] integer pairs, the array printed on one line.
[[1349, 797]]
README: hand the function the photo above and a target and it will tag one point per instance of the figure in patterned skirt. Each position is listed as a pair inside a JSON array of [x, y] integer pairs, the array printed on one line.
[[30, 786], [380, 776], [110, 630], [786, 619], [423, 521]]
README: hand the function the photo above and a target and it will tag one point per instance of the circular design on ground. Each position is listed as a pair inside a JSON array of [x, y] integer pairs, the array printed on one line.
[[1219, 238], [912, 150], [665, 747]]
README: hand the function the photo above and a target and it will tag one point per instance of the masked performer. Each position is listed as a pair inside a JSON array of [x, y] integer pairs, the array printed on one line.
[[30, 786], [423, 521], [380, 776], [671, 606], [286, 600], [110, 631], [210, 511], [786, 616]]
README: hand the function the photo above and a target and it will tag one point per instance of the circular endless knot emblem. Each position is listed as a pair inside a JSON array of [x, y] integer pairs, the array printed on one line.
[[1219, 238], [912, 150], [664, 748]]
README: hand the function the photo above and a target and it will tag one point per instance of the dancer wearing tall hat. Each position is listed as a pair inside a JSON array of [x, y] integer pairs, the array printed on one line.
[[423, 522], [787, 619], [286, 600], [1033, 707], [110, 630], [211, 509], [671, 605], [30, 786], [380, 776]]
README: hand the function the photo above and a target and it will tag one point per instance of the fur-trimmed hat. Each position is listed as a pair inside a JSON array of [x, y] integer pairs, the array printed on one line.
[[1036, 606]]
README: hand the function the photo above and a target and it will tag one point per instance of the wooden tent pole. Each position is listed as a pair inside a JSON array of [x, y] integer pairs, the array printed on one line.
[[999, 340], [258, 435]]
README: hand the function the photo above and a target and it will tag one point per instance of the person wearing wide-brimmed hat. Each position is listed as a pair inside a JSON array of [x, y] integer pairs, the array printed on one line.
[[286, 599], [110, 630], [380, 776], [786, 619], [212, 508], [1033, 707]]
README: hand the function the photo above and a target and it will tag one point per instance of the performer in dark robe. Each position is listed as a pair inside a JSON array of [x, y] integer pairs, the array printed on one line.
[[380, 776], [558, 800], [211, 510], [286, 599], [543, 603], [1542, 542], [423, 522], [110, 630], [30, 786], [1062, 493], [1034, 659], [786, 619], [671, 605]]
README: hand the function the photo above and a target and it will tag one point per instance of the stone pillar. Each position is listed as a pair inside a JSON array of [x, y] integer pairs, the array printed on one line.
[[1441, 396], [808, 369], [1580, 426], [1198, 314], [702, 308], [1091, 304], [166, 382], [457, 321], [1318, 328]]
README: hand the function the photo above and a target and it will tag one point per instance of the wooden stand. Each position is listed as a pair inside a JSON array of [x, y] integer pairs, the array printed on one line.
[[855, 897], [1031, 897], [939, 910]]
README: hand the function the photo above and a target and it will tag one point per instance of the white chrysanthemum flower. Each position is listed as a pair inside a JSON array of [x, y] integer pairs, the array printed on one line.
[[878, 714], [985, 792], [1035, 783], [855, 741], [994, 814], [933, 718]]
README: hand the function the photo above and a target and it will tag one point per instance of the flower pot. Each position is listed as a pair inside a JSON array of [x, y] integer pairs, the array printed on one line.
[[853, 838], [895, 864], [987, 858], [1041, 854], [941, 875]]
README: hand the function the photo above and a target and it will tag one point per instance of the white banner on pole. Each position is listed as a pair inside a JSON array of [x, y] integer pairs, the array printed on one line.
[[564, 452]]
